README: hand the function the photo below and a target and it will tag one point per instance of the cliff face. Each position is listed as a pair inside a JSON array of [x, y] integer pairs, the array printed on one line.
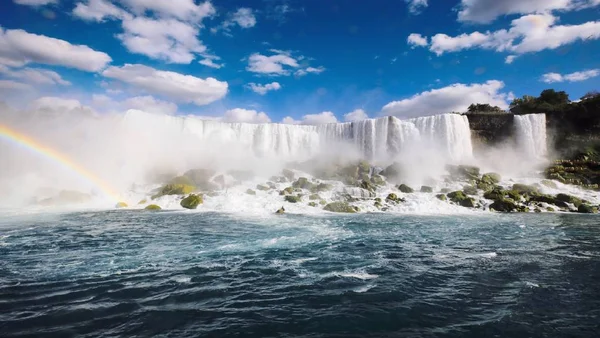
[[491, 129], [576, 126]]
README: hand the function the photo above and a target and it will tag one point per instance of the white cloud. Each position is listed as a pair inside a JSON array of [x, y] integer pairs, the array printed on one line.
[[179, 87], [185, 10], [35, 2], [263, 89], [35, 76], [509, 59], [573, 77], [317, 70], [164, 39], [245, 116], [244, 18], [485, 11], [147, 103], [356, 115], [98, 10], [13, 85], [289, 120], [277, 64], [456, 97], [18, 47], [417, 40], [210, 63], [312, 119], [150, 104], [530, 33], [416, 6], [56, 103]]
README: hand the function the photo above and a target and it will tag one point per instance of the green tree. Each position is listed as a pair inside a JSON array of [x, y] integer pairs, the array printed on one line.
[[553, 97], [590, 95]]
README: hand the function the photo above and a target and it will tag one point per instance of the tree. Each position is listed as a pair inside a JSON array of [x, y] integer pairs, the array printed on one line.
[[590, 95], [553, 97], [483, 108]]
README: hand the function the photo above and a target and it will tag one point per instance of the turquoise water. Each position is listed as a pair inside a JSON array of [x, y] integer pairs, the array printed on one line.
[[134, 273]]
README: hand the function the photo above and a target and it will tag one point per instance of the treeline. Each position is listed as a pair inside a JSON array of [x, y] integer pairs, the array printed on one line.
[[549, 101]]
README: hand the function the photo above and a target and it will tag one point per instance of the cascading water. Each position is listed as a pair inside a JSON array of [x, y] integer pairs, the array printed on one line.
[[379, 139], [531, 134]]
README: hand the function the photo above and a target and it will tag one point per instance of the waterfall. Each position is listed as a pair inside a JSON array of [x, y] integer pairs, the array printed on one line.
[[374, 139], [530, 133]]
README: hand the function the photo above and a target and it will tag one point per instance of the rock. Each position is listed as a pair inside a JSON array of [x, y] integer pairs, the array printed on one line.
[[280, 210], [549, 184], [441, 197], [152, 207], [242, 175], [463, 172], [494, 194], [303, 183], [288, 174], [393, 198], [377, 205], [322, 202], [174, 189], [461, 199], [314, 197], [144, 201], [405, 189], [445, 190], [481, 185], [367, 185], [537, 210], [121, 205], [199, 176], [524, 189], [377, 199], [278, 179], [262, 187], [393, 172], [427, 189], [250, 192], [491, 178], [182, 180], [550, 209], [377, 180], [470, 190], [312, 204], [568, 199], [321, 187], [292, 199], [364, 168], [191, 201], [287, 191], [514, 195], [359, 193], [340, 207], [503, 205], [586, 209]]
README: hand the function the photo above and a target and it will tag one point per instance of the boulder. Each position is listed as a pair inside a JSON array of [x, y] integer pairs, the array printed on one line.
[[152, 207], [491, 178], [280, 210], [143, 201], [494, 194], [121, 205], [568, 199], [367, 185], [314, 197], [503, 205], [312, 204], [321, 187], [322, 202], [393, 172], [461, 199], [470, 190], [427, 189], [288, 174], [377, 180], [303, 183], [292, 198], [463, 172], [405, 189], [174, 189], [250, 192], [393, 198], [514, 195], [549, 184], [586, 209], [524, 189], [342, 207], [191, 201], [357, 193], [441, 197], [182, 180], [262, 187]]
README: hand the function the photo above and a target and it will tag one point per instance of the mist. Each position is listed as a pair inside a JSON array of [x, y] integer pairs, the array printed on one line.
[[133, 149]]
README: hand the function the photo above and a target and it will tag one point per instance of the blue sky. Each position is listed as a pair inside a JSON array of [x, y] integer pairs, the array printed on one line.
[[310, 61]]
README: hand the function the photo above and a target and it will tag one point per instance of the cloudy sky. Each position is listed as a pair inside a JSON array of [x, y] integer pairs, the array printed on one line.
[[293, 61]]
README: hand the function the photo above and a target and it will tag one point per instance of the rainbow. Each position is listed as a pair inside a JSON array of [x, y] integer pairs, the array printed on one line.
[[21, 139]]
